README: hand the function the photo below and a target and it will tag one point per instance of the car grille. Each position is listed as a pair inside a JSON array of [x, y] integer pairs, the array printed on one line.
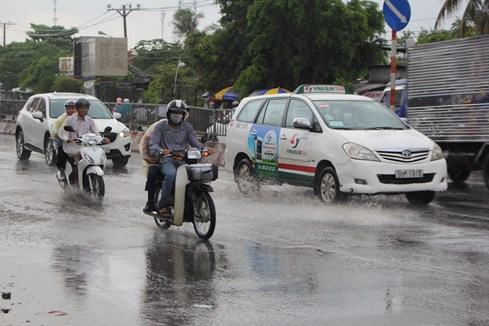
[[111, 135], [406, 156], [391, 179]]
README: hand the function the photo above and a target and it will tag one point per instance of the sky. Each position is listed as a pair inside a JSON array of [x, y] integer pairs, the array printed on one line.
[[91, 16]]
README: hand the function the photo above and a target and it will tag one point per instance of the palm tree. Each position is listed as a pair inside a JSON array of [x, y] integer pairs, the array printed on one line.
[[185, 22], [476, 14]]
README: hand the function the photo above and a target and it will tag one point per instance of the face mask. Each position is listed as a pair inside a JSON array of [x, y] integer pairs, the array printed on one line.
[[175, 118]]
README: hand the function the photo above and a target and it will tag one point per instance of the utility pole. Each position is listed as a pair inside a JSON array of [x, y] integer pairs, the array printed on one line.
[[55, 19], [4, 31], [163, 26], [124, 11]]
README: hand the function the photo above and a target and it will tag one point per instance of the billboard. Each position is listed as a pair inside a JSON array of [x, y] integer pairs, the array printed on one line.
[[100, 56], [65, 66]]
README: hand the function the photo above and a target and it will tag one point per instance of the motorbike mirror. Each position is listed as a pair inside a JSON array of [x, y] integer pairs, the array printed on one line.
[[69, 128], [107, 129]]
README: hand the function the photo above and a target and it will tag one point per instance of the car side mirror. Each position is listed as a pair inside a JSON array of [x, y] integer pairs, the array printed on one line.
[[37, 115], [302, 123], [117, 115], [107, 130], [69, 128]]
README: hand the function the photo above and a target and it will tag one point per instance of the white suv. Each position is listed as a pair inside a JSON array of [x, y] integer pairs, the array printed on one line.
[[40, 111]]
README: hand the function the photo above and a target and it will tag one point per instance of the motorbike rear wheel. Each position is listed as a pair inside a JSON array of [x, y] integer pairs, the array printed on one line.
[[98, 185], [204, 215]]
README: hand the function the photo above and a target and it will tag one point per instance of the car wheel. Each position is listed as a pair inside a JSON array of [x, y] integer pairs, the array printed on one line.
[[22, 153], [49, 152], [458, 168], [120, 162], [245, 177], [486, 171], [329, 186], [420, 198]]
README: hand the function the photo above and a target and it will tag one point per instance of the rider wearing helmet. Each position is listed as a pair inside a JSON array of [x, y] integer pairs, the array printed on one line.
[[170, 137], [82, 124], [61, 157]]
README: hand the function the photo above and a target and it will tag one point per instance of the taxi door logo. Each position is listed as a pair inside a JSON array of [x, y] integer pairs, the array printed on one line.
[[295, 141]]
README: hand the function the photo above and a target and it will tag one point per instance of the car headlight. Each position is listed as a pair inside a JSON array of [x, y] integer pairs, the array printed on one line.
[[437, 153], [358, 152], [125, 133]]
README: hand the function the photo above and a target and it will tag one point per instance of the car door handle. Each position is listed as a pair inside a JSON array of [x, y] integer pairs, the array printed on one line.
[[283, 137]]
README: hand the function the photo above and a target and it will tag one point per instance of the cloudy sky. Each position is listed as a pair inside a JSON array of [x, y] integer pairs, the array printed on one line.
[[91, 16]]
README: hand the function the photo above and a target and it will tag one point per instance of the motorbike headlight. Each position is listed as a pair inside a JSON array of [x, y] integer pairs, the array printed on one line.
[[437, 153], [358, 152], [125, 133]]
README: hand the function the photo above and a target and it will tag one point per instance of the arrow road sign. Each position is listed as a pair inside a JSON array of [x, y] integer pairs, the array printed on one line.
[[397, 14]]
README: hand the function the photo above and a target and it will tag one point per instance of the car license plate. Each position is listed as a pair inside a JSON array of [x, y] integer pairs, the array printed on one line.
[[403, 174]]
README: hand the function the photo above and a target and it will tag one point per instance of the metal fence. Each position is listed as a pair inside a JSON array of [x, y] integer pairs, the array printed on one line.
[[140, 115], [9, 108]]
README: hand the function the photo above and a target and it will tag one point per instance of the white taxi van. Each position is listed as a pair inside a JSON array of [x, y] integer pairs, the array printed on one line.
[[338, 144]]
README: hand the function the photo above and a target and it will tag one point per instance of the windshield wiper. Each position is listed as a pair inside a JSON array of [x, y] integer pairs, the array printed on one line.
[[384, 128]]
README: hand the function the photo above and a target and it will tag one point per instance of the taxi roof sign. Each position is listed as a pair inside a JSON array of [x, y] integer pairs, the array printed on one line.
[[319, 89]]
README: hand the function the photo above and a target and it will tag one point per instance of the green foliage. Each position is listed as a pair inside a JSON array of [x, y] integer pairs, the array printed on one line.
[[153, 53], [34, 63], [67, 84], [434, 35], [40, 74], [263, 44], [185, 22], [475, 18]]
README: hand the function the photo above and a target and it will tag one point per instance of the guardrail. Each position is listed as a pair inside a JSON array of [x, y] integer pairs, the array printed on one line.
[[140, 115]]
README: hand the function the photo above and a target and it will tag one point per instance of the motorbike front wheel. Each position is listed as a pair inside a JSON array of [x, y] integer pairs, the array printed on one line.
[[97, 185], [204, 215]]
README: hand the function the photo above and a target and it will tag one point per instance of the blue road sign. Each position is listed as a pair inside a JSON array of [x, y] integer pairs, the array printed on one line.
[[397, 13]]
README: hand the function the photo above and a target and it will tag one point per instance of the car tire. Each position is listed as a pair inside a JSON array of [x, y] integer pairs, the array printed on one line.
[[22, 153], [120, 162], [420, 198], [458, 169], [485, 171], [245, 177], [328, 186], [49, 151]]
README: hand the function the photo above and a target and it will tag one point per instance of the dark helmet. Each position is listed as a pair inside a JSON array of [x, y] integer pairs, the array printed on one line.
[[82, 102], [176, 106], [70, 103]]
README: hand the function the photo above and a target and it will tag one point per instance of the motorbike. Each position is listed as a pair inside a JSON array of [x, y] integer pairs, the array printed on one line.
[[88, 174], [192, 202]]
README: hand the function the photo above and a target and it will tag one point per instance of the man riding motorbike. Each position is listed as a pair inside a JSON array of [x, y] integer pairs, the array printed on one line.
[[169, 138], [81, 124], [61, 157]]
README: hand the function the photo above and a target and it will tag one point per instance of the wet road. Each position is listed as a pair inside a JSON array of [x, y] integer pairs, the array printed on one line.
[[280, 258]]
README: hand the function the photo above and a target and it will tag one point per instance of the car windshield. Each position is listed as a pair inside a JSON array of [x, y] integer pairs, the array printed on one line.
[[98, 110], [358, 115]]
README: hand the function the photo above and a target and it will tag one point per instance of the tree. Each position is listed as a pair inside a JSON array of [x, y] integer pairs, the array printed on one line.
[[40, 75], [22, 63], [67, 84], [476, 15], [185, 22], [285, 43]]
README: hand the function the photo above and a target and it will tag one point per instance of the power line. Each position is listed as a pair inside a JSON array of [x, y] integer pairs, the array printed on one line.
[[124, 11]]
